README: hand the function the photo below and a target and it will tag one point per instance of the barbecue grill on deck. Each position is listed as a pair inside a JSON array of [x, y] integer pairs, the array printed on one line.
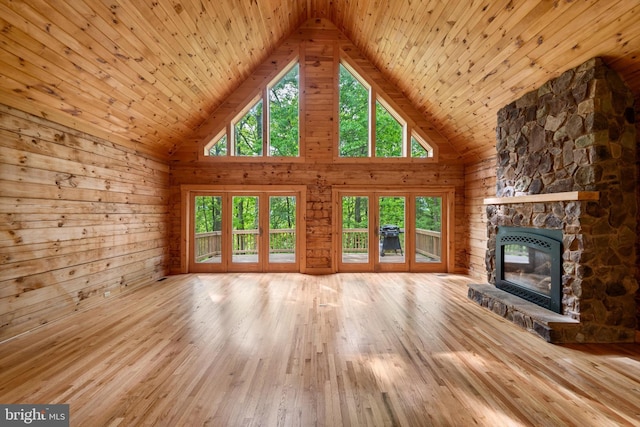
[[390, 239]]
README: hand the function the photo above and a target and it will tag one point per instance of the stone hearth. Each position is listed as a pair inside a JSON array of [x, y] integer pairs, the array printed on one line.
[[575, 135], [551, 326]]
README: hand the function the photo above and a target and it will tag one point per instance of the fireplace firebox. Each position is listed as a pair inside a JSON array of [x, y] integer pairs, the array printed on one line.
[[528, 265]]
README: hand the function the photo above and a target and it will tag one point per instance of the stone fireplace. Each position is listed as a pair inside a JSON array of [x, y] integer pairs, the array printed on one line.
[[566, 163]]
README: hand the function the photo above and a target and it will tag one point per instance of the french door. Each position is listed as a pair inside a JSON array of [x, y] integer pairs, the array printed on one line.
[[392, 230], [244, 230]]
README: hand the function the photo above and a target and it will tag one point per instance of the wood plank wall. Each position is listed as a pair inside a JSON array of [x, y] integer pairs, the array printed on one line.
[[81, 217], [480, 182], [637, 111], [319, 43]]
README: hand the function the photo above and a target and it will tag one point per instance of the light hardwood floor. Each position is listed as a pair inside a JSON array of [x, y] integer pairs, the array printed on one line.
[[290, 349]]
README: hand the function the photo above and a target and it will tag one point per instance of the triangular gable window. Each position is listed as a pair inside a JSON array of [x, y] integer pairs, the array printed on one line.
[[284, 116], [247, 132], [217, 146], [389, 132], [419, 148], [257, 131], [369, 126], [354, 116]]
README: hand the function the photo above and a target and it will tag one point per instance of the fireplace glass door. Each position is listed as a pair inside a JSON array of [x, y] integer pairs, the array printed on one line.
[[528, 267], [528, 264]]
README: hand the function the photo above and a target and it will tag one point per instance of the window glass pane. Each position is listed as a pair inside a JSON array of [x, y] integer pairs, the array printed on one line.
[[282, 229], [417, 149], [428, 229], [388, 133], [219, 148], [392, 217], [248, 132], [245, 229], [354, 116], [208, 229], [283, 116], [355, 229]]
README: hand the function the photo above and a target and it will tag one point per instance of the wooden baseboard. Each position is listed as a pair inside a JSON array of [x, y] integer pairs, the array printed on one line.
[[318, 270]]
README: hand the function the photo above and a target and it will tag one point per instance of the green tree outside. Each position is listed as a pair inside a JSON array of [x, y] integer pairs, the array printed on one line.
[[353, 116], [284, 116]]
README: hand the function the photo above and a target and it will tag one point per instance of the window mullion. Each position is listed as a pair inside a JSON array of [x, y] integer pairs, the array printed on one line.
[[230, 140], [372, 122], [406, 140], [265, 122]]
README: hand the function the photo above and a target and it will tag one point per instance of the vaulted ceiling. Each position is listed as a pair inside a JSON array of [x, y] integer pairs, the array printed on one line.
[[147, 73]]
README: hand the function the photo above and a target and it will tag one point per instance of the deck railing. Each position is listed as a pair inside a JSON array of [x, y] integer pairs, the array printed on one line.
[[208, 245], [354, 240], [428, 243], [282, 241]]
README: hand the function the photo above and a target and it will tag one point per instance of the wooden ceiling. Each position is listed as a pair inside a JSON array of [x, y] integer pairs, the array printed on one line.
[[147, 73]]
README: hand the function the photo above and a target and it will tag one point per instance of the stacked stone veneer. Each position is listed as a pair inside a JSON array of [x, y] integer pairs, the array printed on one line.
[[576, 133]]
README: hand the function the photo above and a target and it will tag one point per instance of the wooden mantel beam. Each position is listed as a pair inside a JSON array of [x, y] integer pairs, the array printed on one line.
[[542, 198]]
